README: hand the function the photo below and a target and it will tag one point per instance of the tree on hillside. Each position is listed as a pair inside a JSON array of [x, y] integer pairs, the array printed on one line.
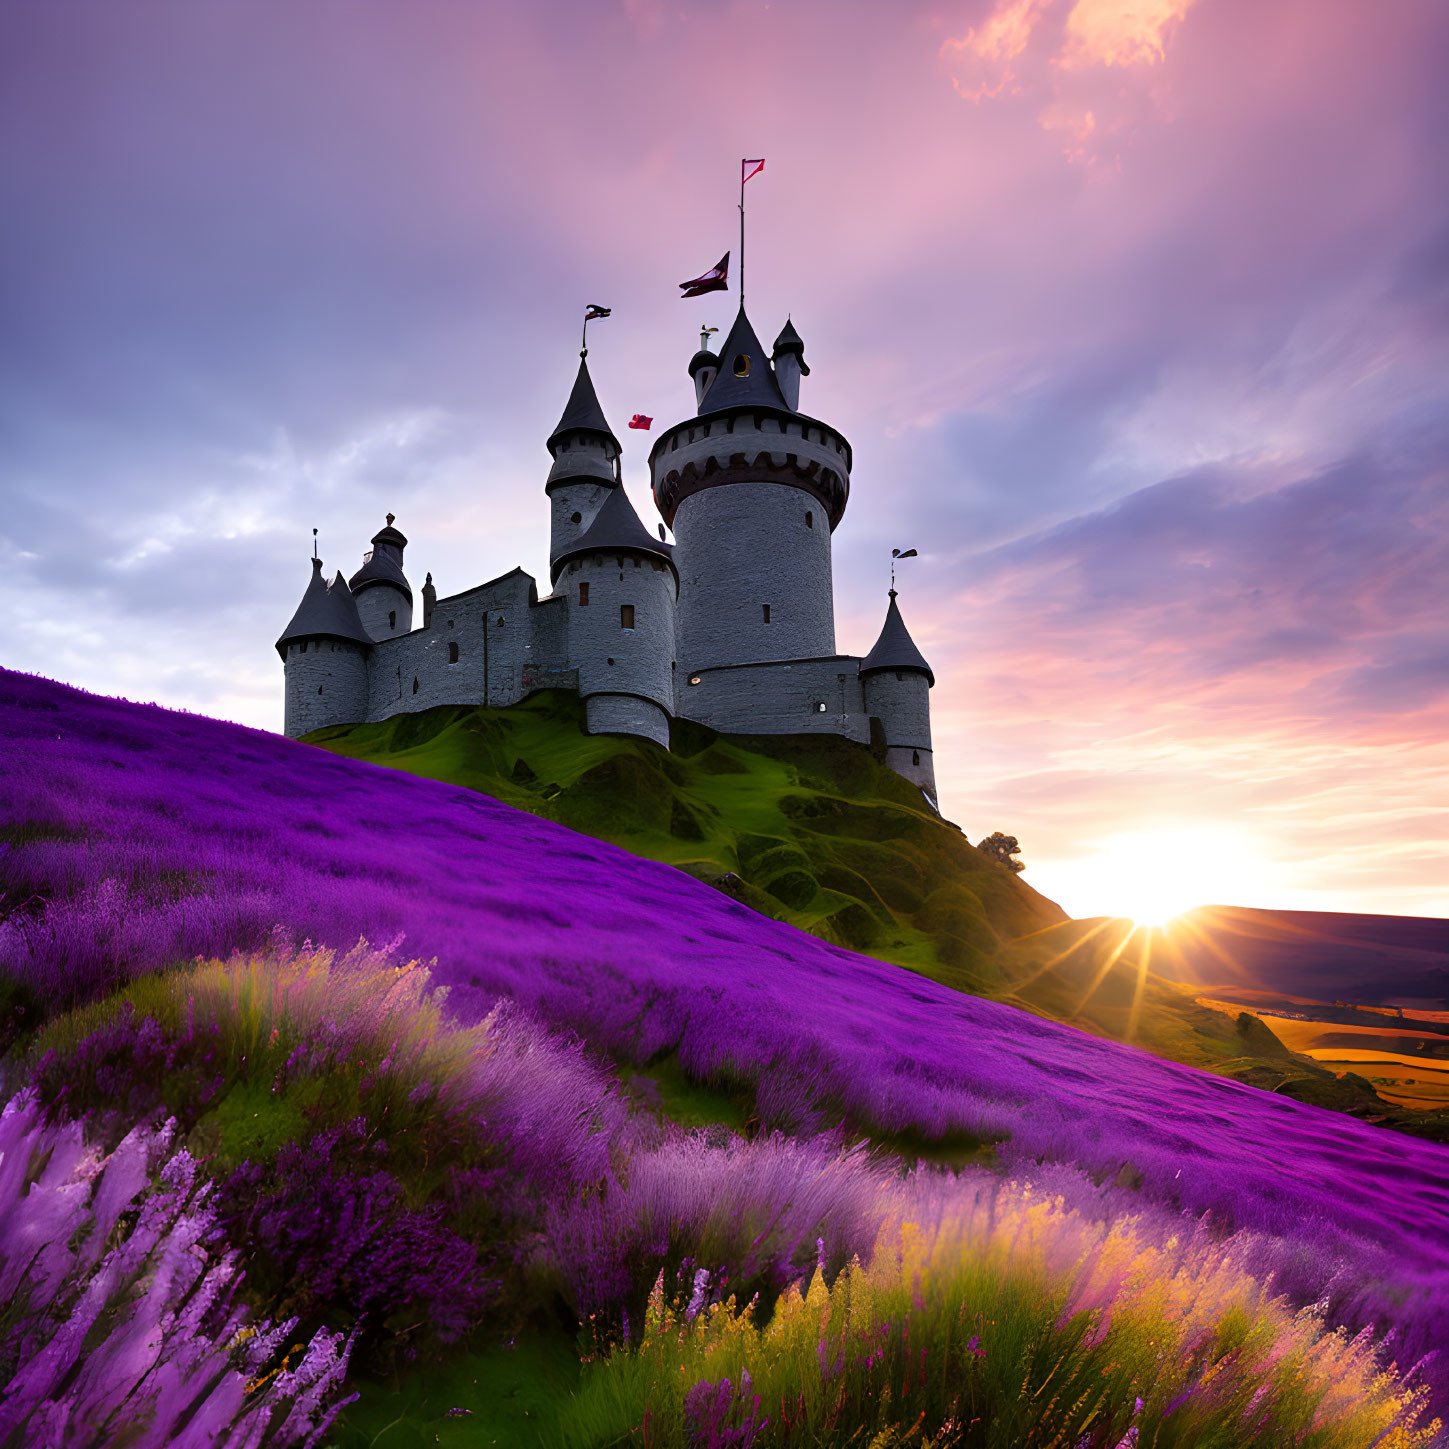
[[1003, 848]]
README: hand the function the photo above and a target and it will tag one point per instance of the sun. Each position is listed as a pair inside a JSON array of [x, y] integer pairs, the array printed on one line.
[[1150, 877]]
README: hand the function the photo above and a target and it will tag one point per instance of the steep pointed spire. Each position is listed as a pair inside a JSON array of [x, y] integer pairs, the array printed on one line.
[[790, 340], [895, 649], [745, 375], [327, 611], [583, 413], [616, 527]]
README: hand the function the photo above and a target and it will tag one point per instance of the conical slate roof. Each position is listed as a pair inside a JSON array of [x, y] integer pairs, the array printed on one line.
[[757, 386], [327, 611], [790, 340], [385, 565], [583, 413], [616, 527], [895, 649]]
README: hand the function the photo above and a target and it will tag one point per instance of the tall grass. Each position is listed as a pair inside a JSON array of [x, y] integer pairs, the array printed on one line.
[[1008, 1321]]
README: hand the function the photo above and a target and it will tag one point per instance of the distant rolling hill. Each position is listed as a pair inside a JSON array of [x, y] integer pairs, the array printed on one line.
[[1324, 955]]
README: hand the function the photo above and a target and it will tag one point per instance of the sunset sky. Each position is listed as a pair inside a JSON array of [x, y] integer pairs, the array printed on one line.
[[1136, 313]]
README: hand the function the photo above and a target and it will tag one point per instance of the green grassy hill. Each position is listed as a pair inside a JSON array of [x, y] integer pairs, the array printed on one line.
[[816, 831], [808, 829]]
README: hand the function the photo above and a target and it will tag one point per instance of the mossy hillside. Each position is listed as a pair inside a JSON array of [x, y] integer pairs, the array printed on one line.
[[810, 830]]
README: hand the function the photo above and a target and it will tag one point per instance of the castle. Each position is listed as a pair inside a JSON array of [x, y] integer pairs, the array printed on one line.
[[732, 625]]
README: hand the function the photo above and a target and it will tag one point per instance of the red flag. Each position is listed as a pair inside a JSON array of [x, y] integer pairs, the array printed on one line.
[[757, 166], [714, 280], [640, 421]]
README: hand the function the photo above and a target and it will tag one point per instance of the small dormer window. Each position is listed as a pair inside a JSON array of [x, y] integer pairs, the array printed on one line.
[[819, 706], [576, 517], [742, 364], [626, 616]]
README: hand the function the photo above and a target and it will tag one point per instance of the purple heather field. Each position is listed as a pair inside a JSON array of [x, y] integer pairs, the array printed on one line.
[[151, 837]]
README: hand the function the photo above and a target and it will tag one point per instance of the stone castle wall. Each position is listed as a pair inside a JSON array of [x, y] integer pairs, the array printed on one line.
[[901, 700], [776, 699], [743, 548], [326, 685]]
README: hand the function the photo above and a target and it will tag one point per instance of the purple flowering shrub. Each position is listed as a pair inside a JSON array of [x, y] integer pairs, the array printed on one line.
[[141, 838], [751, 1215], [380, 1164], [121, 1321], [327, 1229]]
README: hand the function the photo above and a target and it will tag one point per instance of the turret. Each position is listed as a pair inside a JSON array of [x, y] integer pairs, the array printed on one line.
[[430, 601], [703, 367], [896, 682], [789, 361], [585, 464], [324, 651], [384, 596], [621, 585], [752, 489]]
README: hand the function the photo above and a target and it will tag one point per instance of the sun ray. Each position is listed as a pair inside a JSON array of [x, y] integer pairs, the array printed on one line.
[[1191, 928], [1140, 988], [1106, 966], [1062, 955]]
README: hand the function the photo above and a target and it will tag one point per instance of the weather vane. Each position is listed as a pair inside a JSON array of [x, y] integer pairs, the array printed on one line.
[[705, 333], [314, 543], [895, 554], [592, 312]]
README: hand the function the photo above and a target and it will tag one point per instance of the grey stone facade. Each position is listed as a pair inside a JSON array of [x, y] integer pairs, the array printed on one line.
[[732, 625]]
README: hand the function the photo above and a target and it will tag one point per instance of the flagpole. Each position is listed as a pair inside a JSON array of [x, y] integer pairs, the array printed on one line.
[[742, 235], [584, 348]]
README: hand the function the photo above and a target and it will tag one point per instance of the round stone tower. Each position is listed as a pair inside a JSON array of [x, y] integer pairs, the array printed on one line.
[[752, 488], [621, 586], [384, 596], [585, 464], [896, 682], [324, 652]]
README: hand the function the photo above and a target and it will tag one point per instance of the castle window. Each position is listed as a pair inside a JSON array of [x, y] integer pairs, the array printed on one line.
[[392, 618], [809, 519], [611, 661], [450, 623], [626, 616], [742, 364], [500, 621], [303, 649], [819, 706], [453, 652], [319, 689], [899, 675], [766, 608], [415, 684], [584, 592], [694, 679], [576, 517], [915, 757]]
